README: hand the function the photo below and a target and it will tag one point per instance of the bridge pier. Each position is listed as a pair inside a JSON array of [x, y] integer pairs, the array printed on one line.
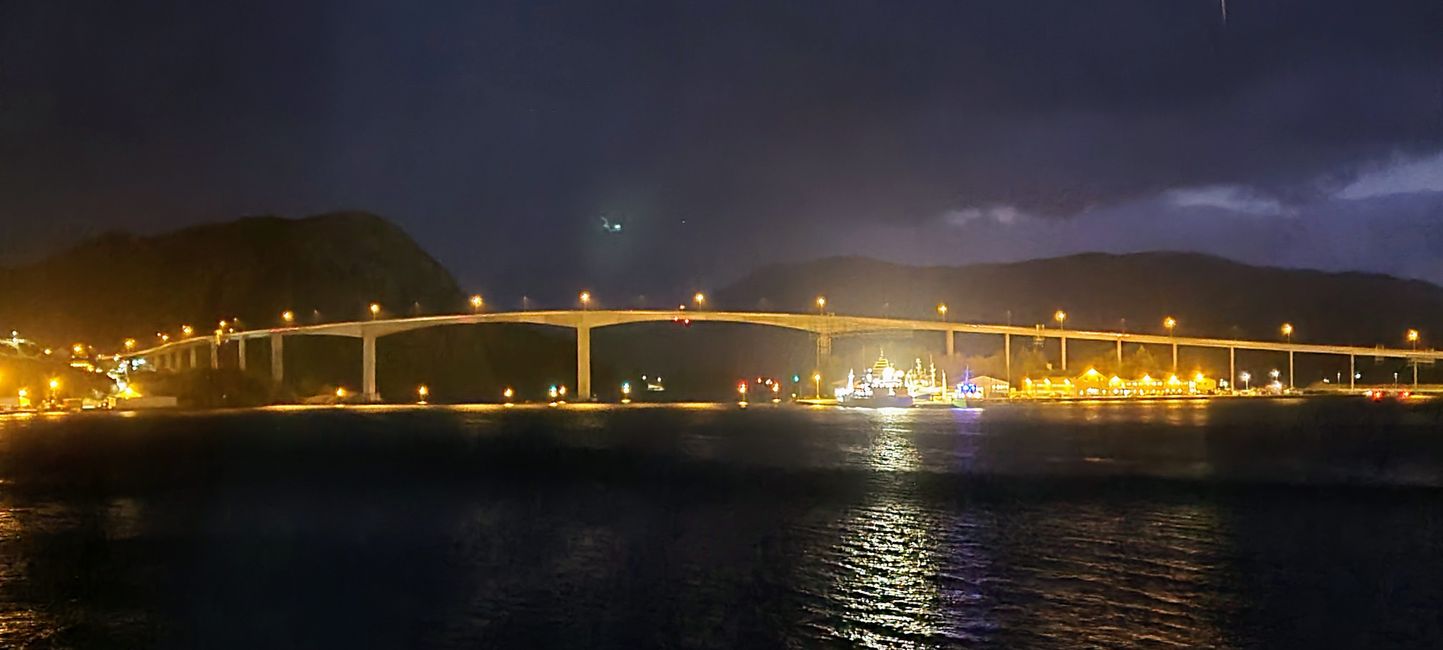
[[1007, 357], [1233, 368], [951, 342], [194, 357], [1064, 353], [1290, 368], [214, 354], [1174, 357], [241, 354], [278, 354], [368, 368], [1119, 357], [583, 363], [1352, 372]]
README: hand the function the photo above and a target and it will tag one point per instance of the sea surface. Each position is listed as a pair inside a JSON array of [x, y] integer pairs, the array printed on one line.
[[1252, 524]]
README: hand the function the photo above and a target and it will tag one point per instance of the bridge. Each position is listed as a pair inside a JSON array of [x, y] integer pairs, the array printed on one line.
[[172, 354]]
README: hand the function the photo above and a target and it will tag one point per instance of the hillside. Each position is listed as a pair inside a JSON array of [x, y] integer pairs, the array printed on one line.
[[1209, 296], [120, 285]]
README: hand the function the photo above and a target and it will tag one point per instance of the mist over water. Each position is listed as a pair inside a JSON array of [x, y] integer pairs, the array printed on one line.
[[1187, 523]]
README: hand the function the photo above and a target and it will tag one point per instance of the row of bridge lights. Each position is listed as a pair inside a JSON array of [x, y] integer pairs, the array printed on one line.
[[288, 317]]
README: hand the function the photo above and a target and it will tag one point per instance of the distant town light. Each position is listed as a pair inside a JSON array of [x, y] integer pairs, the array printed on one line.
[[130, 344], [340, 392], [508, 393], [54, 384], [422, 391]]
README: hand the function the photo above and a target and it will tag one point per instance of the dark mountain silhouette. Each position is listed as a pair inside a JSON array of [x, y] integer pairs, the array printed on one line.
[[323, 267], [1208, 296]]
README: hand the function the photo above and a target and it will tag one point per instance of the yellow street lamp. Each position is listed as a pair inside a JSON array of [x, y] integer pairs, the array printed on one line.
[[699, 299], [585, 299], [340, 392], [375, 310], [476, 303], [817, 378], [942, 310], [1413, 338], [164, 338], [821, 303], [130, 344], [508, 394], [78, 349], [187, 330], [1287, 330], [1169, 323], [423, 392], [288, 317], [54, 384]]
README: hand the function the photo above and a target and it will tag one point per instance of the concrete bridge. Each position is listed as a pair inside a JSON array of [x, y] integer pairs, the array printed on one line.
[[174, 354]]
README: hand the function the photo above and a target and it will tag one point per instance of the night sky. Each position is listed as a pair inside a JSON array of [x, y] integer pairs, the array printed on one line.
[[727, 134]]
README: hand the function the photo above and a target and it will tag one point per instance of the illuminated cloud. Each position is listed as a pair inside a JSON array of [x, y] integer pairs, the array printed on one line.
[[1400, 176], [1233, 198]]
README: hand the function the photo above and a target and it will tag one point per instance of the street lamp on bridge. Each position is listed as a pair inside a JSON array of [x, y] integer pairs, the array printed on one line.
[[477, 303], [375, 310], [585, 298], [821, 304], [942, 310], [288, 317], [699, 299], [1413, 341], [1287, 330]]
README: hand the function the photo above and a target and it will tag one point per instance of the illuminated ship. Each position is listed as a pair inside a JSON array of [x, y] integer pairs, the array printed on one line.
[[884, 385]]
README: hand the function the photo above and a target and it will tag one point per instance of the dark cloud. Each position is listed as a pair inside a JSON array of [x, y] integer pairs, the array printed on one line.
[[495, 132]]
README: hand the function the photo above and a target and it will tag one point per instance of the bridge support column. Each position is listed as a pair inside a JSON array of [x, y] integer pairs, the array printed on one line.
[[951, 343], [241, 354], [1064, 353], [214, 355], [1352, 372], [1119, 356], [583, 363], [1290, 368], [278, 355], [368, 368], [1233, 368], [1174, 357], [194, 357], [1007, 358]]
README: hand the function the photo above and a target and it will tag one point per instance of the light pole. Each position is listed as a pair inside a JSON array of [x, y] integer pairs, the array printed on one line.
[[585, 300], [942, 310], [699, 299], [1171, 324], [477, 303], [375, 309], [1061, 318], [1288, 334], [821, 304], [288, 317], [1413, 340]]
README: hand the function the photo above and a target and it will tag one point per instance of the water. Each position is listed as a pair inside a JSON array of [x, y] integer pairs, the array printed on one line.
[[1193, 524]]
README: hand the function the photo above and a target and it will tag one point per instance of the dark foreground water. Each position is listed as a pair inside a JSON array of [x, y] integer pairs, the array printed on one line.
[[1253, 524]]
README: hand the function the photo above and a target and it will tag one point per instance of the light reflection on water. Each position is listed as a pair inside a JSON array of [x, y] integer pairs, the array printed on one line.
[[608, 526]]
